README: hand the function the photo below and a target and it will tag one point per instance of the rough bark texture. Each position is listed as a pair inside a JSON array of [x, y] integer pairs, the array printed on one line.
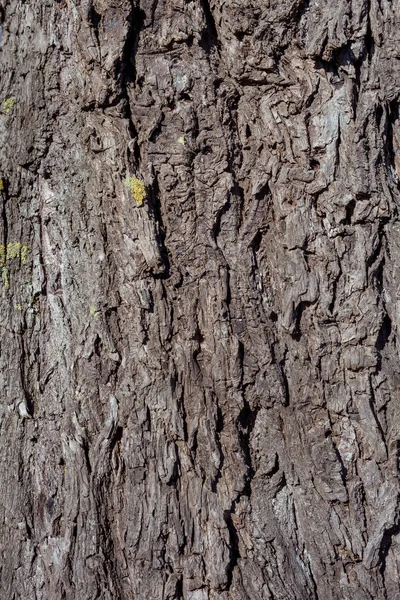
[[200, 395]]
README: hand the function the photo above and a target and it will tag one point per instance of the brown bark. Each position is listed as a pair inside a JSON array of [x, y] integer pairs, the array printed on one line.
[[200, 394]]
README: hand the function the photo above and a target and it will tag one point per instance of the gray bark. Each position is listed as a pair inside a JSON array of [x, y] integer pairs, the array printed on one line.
[[200, 395]]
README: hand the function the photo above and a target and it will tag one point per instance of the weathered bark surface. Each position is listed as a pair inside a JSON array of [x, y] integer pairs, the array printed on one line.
[[200, 395]]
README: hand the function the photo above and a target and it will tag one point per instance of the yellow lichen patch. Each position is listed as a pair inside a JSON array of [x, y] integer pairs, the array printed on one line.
[[18, 307], [181, 140], [94, 312], [137, 189], [24, 254], [4, 276], [1, 186], [12, 251], [8, 105]]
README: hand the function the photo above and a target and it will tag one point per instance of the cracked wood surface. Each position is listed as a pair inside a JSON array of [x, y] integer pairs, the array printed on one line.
[[201, 394]]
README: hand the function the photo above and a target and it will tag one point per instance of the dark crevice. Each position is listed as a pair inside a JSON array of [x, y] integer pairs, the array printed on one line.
[[331, 305], [179, 590], [209, 37], [145, 329], [86, 454], [246, 421], [338, 151], [247, 81], [185, 96], [340, 57], [228, 302], [204, 149], [195, 442], [392, 115], [299, 10], [331, 68], [264, 194], [181, 404], [255, 246], [234, 553], [372, 404], [29, 402], [128, 65], [379, 115], [297, 334], [369, 38], [174, 477], [98, 346], [128, 70], [219, 426], [239, 35], [384, 333], [386, 544], [117, 437], [4, 196], [356, 90], [342, 469], [349, 212], [95, 18], [284, 380], [154, 207]]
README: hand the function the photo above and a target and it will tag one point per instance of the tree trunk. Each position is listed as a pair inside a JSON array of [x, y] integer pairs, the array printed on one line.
[[200, 378]]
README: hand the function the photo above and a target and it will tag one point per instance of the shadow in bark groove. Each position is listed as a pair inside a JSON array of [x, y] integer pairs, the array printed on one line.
[[384, 334], [385, 546], [247, 419], [128, 69], [219, 426], [95, 18], [209, 38], [284, 379], [179, 590], [392, 115], [234, 553], [4, 212], [155, 212]]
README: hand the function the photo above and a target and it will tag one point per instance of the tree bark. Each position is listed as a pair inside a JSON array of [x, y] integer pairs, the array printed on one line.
[[201, 391]]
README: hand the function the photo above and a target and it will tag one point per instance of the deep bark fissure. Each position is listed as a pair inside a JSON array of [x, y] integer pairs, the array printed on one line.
[[209, 38]]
